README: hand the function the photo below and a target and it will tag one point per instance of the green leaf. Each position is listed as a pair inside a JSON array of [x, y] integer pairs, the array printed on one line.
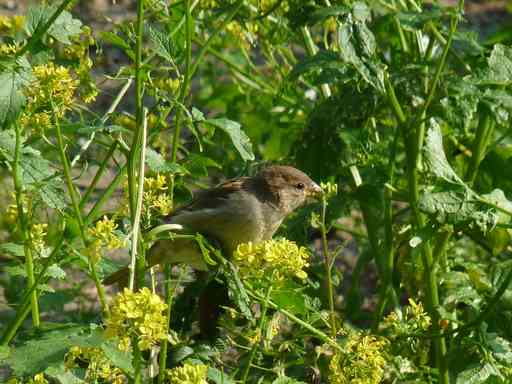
[[290, 296], [157, 163], [435, 158], [237, 291], [48, 351], [119, 42], [287, 380], [240, 140], [162, 43], [219, 377], [479, 374], [64, 27], [13, 249], [326, 12], [119, 358], [14, 76], [63, 375], [321, 60]]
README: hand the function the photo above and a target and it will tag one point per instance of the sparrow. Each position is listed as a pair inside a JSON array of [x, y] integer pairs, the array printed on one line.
[[246, 209]]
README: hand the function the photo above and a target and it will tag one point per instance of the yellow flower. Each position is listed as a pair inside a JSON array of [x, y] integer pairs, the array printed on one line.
[[37, 234], [139, 316], [98, 364], [7, 49], [188, 374], [103, 236], [362, 361], [156, 197], [279, 258]]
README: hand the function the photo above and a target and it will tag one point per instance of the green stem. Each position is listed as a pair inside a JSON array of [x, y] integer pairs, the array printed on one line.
[[94, 212], [328, 262], [97, 176], [254, 348], [387, 285], [24, 225], [312, 49], [139, 83], [25, 307], [169, 293], [485, 125], [138, 263], [78, 214]]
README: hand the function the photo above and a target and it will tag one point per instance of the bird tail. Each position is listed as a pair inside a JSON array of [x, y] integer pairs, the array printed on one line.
[[120, 277]]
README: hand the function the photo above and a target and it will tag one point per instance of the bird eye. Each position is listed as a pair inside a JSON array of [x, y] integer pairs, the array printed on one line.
[[300, 186]]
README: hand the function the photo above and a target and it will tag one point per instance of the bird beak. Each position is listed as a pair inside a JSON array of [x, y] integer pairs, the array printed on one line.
[[314, 191]]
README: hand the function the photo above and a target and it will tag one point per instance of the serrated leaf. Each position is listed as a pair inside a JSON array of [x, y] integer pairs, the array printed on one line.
[[13, 78], [326, 12], [434, 156], [119, 358], [63, 375], [322, 60], [64, 27], [119, 42], [240, 140], [38, 354], [162, 44], [219, 377], [290, 298], [181, 354], [477, 374], [237, 291], [157, 163], [500, 66]]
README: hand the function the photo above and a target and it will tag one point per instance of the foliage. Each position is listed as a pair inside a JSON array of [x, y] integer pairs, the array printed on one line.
[[396, 106]]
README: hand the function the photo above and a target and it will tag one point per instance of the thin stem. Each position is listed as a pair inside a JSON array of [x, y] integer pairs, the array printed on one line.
[[263, 314], [485, 125], [312, 49], [25, 307], [139, 83], [105, 196], [328, 262], [97, 176], [139, 262], [24, 225], [78, 214]]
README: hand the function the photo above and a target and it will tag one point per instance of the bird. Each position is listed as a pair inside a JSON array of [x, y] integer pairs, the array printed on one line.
[[241, 210]]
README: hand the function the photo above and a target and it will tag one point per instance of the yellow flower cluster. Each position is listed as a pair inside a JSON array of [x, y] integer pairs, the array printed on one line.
[[78, 50], [11, 24], [208, 4], [137, 316], [281, 258], [99, 366], [37, 235], [103, 236], [37, 379], [362, 362], [188, 374], [415, 319], [155, 196], [268, 5], [7, 49], [53, 88]]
